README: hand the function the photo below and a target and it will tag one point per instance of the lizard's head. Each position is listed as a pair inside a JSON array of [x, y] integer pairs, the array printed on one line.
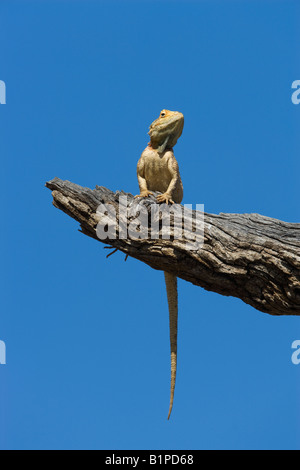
[[166, 130]]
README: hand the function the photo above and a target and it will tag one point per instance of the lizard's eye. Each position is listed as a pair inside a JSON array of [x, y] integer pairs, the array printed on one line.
[[162, 114]]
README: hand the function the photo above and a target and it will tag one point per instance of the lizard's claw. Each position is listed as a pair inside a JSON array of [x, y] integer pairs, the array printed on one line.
[[144, 193], [165, 197]]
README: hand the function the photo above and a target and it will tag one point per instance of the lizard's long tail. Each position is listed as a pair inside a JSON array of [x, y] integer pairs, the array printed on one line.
[[171, 285]]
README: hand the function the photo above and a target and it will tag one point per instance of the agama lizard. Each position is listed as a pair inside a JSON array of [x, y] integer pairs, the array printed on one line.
[[158, 170]]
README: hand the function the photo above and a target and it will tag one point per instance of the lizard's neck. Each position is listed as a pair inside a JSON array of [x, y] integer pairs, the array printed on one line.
[[157, 148]]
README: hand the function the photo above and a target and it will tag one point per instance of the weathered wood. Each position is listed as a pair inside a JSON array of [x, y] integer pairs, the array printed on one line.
[[249, 256]]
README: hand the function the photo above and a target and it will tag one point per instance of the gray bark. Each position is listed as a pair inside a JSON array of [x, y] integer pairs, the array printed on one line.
[[249, 256]]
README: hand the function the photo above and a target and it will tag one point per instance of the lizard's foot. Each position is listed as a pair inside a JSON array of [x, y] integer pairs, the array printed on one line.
[[144, 193], [165, 197]]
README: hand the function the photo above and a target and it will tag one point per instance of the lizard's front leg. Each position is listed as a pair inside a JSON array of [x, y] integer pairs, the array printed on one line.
[[168, 194], [165, 197], [144, 192]]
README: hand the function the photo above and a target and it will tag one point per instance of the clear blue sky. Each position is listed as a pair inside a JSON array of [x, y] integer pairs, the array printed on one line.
[[87, 338]]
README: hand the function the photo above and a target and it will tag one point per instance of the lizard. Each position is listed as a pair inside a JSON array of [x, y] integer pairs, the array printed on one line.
[[158, 170]]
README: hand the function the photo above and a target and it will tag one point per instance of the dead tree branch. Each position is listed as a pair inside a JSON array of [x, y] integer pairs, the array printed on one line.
[[249, 256]]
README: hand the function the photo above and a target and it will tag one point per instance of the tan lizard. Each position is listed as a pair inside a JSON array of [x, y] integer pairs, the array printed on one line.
[[158, 170]]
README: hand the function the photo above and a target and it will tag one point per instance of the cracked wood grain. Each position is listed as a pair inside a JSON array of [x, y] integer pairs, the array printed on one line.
[[248, 256]]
